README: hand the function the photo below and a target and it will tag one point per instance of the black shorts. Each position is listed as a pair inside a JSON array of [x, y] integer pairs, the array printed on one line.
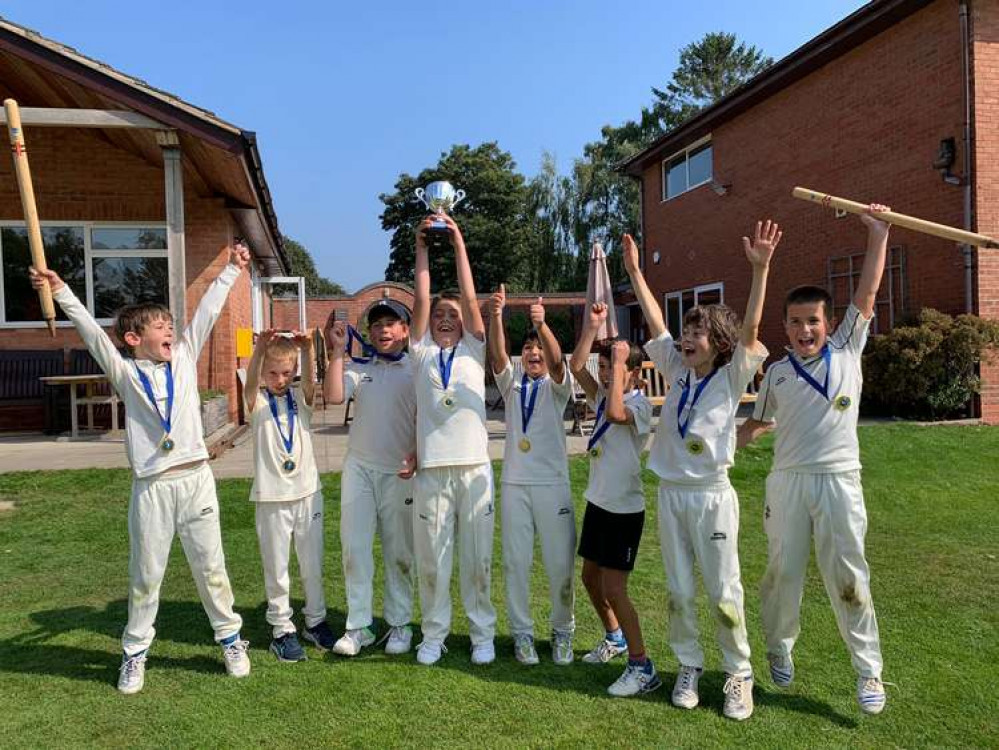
[[610, 539]]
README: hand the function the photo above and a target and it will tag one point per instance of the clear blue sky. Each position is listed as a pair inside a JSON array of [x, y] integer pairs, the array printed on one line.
[[346, 96]]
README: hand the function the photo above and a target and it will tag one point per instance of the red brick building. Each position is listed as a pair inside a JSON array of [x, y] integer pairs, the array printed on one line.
[[899, 104], [137, 192]]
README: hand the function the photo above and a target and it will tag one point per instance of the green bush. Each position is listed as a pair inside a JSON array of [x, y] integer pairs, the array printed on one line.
[[927, 370]]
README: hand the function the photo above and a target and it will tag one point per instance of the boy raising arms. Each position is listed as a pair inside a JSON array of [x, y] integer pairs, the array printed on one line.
[[173, 489], [535, 486], [615, 507], [693, 449], [812, 397], [286, 487], [375, 495], [454, 484]]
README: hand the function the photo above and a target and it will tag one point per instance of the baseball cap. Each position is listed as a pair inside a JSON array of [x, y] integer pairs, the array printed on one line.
[[388, 308]]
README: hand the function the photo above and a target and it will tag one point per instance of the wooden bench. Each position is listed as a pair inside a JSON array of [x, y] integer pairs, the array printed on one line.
[[655, 387], [20, 370]]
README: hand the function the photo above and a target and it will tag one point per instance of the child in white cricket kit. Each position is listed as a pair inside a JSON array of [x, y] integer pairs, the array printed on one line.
[[693, 449], [811, 399], [535, 495], [173, 489], [375, 494], [454, 479], [286, 488]]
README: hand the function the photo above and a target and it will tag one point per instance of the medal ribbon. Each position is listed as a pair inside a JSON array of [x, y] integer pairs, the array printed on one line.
[[445, 367], [804, 375], [683, 424], [527, 404], [148, 387], [598, 428], [289, 441], [368, 350]]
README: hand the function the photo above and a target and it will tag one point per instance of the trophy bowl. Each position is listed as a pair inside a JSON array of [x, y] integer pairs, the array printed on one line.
[[439, 197]]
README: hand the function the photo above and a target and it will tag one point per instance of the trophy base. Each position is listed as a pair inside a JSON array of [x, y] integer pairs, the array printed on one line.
[[437, 235]]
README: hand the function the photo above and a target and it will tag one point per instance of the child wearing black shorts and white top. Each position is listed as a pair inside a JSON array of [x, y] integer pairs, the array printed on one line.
[[615, 507]]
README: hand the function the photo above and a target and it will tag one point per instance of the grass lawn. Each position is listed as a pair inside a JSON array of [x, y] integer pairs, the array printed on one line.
[[933, 543]]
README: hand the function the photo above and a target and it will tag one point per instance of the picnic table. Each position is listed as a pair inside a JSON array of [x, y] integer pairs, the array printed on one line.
[[90, 384]]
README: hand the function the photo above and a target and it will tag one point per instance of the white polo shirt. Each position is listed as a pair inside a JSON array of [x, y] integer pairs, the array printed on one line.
[[615, 482], [143, 429], [814, 434], [545, 461], [383, 432], [271, 481], [451, 423], [705, 453]]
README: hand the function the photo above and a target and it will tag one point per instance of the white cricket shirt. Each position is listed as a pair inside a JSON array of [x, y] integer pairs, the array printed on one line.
[[615, 482], [271, 482], [383, 432]]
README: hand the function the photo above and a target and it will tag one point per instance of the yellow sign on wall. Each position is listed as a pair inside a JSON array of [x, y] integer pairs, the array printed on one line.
[[244, 342]]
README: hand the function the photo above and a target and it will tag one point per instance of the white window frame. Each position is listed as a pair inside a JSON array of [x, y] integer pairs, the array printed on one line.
[[88, 264], [685, 152], [677, 296]]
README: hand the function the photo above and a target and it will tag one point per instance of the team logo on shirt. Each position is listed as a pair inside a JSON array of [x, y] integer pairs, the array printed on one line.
[[695, 446], [780, 380], [718, 536], [842, 403], [596, 451]]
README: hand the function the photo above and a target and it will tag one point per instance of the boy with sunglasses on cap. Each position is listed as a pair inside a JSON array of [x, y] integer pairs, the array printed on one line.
[[375, 495], [173, 488]]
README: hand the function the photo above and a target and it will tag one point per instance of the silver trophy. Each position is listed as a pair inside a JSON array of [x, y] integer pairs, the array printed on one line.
[[440, 197]]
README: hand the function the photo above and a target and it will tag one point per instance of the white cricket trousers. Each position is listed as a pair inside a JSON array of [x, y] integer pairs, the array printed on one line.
[[830, 506], [702, 524], [372, 499], [548, 511], [278, 523], [455, 501], [182, 503]]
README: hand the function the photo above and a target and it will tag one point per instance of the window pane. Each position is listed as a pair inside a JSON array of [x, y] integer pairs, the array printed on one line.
[[64, 254], [673, 316], [709, 297], [126, 281], [699, 165], [114, 238], [676, 177]]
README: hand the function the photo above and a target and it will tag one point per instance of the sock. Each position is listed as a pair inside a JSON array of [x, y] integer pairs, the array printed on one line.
[[615, 636], [642, 661], [230, 640]]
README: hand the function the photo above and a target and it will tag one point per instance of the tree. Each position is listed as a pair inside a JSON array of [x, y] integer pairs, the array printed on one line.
[[711, 68], [301, 264], [492, 218]]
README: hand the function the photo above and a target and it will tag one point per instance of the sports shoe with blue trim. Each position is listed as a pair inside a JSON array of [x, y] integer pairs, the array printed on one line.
[[320, 636], [288, 649], [871, 695], [781, 669], [132, 674]]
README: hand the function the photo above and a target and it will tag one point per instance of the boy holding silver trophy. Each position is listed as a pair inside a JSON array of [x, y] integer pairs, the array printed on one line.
[[453, 492]]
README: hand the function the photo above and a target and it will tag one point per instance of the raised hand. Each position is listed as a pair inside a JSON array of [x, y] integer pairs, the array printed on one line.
[[239, 255], [336, 334], [598, 314], [537, 313], [760, 250], [630, 251], [619, 353], [421, 232], [40, 278], [498, 301], [302, 339], [873, 223]]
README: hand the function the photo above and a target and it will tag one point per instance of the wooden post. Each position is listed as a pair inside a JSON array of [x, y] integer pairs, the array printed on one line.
[[173, 174]]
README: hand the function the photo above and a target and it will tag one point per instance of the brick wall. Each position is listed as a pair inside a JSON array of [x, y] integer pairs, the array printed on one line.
[[80, 176]]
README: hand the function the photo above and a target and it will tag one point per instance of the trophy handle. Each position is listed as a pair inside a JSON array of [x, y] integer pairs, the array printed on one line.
[[419, 194], [459, 195]]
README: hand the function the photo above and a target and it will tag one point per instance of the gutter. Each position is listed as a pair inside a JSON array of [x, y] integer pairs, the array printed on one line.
[[968, 251]]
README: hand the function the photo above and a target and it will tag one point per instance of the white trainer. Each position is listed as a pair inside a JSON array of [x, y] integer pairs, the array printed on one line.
[[351, 642], [523, 648], [132, 674], [562, 648], [485, 653], [871, 695], [604, 651], [685, 693], [636, 680], [738, 697], [399, 640], [237, 658], [429, 652]]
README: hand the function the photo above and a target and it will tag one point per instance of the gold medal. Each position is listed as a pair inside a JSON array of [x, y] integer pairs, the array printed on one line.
[[596, 451], [449, 402], [842, 403], [167, 443], [525, 445], [695, 446]]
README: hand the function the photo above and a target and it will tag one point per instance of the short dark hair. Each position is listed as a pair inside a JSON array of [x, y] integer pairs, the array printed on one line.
[[804, 295], [722, 324], [635, 356], [135, 318], [532, 335], [448, 294]]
